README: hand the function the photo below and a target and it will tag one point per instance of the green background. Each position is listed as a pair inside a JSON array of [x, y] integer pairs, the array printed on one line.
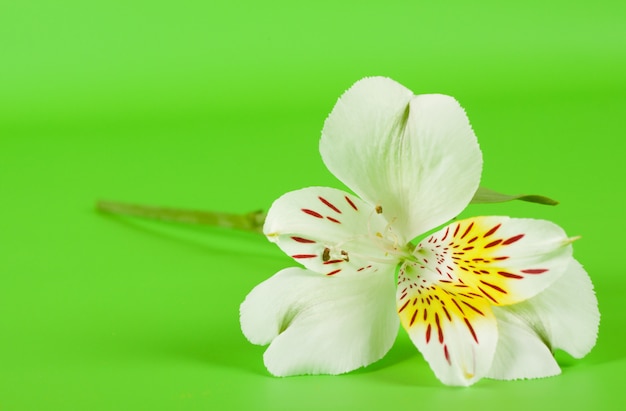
[[218, 105]]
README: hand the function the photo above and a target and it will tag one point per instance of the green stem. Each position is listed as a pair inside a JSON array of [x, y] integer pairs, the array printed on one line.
[[249, 222]]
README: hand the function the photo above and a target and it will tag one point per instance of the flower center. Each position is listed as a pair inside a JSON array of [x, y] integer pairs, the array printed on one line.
[[383, 246]]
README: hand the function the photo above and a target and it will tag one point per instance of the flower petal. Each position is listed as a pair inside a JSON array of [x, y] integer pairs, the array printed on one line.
[[332, 232], [415, 156], [455, 330], [564, 316], [520, 352], [321, 325], [507, 260]]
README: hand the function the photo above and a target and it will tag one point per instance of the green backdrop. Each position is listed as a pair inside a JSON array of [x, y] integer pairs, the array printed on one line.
[[218, 105]]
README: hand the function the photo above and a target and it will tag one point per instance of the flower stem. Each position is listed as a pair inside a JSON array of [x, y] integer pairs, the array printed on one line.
[[249, 222]]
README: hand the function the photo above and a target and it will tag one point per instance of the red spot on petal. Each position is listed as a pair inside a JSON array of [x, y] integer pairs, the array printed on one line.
[[334, 220], [512, 239], [333, 261], [447, 313], [304, 256], [468, 230], [446, 354], [302, 240], [487, 295], [535, 271], [473, 308], [329, 204], [312, 213], [413, 317], [500, 258], [493, 230], [495, 287], [446, 234], [334, 272], [471, 329], [404, 306], [509, 275], [428, 334], [472, 240], [456, 230], [493, 243], [351, 203], [439, 330], [458, 306]]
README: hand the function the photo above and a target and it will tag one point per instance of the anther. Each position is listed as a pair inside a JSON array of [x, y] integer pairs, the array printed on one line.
[[326, 254], [344, 255], [379, 209]]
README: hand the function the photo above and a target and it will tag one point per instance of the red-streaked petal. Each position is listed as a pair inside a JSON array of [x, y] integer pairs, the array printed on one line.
[[506, 260], [453, 328], [331, 232]]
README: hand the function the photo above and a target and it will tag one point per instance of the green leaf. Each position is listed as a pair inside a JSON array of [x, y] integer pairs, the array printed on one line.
[[484, 195]]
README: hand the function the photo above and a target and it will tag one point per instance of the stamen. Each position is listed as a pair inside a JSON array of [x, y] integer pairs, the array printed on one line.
[[387, 241], [391, 234]]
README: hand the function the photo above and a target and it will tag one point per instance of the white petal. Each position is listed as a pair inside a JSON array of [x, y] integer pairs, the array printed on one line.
[[507, 260], [321, 325], [455, 330], [332, 232], [564, 316], [520, 352], [416, 156]]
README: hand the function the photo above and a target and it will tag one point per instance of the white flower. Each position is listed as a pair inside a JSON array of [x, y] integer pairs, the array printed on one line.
[[482, 297]]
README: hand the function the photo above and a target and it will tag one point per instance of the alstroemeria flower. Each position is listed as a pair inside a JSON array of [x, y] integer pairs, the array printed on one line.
[[481, 297]]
